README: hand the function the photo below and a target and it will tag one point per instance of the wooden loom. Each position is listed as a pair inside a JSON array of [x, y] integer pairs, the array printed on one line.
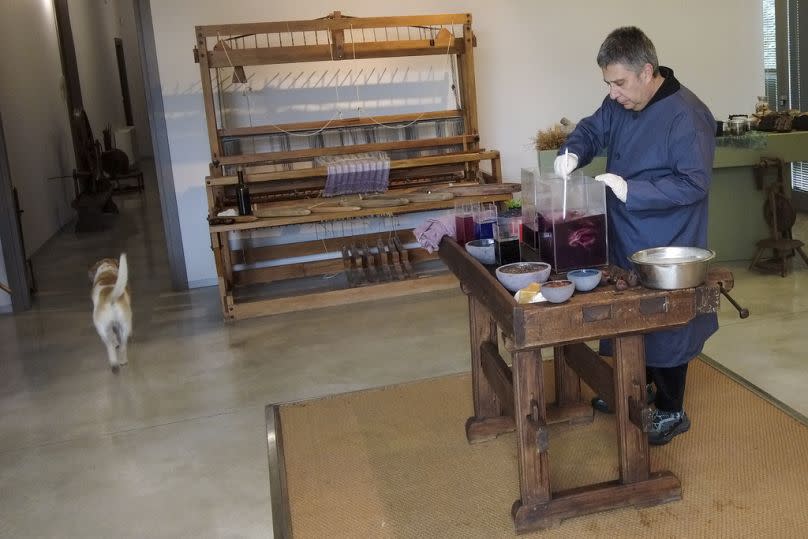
[[286, 183]]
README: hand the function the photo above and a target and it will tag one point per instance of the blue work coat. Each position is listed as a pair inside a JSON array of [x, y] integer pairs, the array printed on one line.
[[665, 154]]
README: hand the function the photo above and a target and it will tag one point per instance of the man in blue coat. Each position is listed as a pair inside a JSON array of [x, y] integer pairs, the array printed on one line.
[[660, 143]]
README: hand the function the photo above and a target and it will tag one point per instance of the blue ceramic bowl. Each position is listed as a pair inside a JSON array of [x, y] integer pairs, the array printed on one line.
[[557, 291], [585, 279], [483, 250]]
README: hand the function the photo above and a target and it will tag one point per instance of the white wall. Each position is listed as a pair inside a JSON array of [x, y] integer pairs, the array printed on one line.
[[95, 25], [137, 91], [35, 118], [535, 62]]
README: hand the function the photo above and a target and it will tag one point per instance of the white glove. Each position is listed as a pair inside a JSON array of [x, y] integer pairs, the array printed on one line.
[[564, 164], [617, 183]]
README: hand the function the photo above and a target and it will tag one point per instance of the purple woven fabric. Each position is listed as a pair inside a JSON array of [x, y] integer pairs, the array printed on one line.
[[357, 176]]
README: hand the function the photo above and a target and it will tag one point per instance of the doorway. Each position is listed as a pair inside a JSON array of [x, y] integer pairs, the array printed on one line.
[[18, 285]]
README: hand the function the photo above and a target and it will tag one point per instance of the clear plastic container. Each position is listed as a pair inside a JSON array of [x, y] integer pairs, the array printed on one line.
[[564, 222], [485, 220], [507, 234], [464, 221]]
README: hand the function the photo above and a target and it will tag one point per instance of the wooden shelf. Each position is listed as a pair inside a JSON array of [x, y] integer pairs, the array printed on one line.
[[412, 207]]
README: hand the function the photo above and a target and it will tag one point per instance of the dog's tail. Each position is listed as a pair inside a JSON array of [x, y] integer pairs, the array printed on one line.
[[123, 279]]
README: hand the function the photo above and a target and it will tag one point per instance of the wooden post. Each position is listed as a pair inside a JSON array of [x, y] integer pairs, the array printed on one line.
[[496, 169], [629, 383], [482, 328], [531, 426], [469, 86], [567, 381], [208, 99], [216, 247]]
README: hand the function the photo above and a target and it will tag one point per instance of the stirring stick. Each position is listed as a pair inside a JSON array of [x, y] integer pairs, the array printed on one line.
[[566, 162], [566, 176]]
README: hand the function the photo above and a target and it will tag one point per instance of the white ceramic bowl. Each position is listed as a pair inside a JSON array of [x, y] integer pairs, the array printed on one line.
[[483, 250], [557, 291], [521, 274], [585, 279]]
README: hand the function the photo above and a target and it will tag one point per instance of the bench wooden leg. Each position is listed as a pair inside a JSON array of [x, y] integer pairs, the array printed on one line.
[[488, 420], [538, 508]]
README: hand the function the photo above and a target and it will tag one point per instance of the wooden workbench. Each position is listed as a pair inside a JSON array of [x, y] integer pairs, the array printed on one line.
[[512, 398]]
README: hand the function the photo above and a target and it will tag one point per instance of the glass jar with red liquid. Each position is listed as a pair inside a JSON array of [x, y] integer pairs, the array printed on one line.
[[464, 221]]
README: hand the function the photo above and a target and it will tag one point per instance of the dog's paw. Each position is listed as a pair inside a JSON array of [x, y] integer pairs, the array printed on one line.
[[115, 368]]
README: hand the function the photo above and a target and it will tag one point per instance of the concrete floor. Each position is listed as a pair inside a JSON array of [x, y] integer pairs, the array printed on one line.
[[175, 445]]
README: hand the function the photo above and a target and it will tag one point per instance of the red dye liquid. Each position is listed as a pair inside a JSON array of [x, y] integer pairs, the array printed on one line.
[[464, 228], [576, 242]]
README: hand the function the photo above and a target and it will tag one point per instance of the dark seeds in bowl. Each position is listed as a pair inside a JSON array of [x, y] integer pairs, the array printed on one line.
[[555, 284], [520, 268]]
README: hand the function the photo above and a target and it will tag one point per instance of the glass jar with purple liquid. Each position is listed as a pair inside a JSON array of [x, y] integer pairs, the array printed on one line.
[[565, 221]]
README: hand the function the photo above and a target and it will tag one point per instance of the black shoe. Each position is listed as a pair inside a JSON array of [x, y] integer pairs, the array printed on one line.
[[601, 406], [666, 425]]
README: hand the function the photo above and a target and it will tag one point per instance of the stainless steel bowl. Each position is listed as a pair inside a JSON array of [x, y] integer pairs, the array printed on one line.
[[672, 268]]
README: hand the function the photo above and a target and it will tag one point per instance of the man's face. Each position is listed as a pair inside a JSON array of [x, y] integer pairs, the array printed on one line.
[[630, 89]]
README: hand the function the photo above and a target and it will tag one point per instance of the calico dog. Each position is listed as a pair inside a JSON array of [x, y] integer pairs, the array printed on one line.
[[112, 310]]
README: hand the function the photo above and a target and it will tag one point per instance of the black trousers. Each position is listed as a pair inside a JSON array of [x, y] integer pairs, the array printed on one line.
[[670, 386]]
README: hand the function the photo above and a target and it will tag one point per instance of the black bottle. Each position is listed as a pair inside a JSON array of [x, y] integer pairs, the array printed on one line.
[[243, 195]]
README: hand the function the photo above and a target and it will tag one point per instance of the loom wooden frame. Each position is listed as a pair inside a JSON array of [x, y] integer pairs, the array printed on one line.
[[336, 49]]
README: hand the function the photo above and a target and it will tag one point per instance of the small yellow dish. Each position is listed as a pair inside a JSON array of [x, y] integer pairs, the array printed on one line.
[[528, 293]]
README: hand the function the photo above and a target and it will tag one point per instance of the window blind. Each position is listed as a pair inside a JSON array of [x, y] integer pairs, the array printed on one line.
[[798, 86], [770, 54], [788, 69]]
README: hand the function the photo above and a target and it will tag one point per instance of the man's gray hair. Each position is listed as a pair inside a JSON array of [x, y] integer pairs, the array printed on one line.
[[629, 46]]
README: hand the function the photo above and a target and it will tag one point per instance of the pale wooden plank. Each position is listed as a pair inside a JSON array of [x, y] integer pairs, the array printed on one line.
[[325, 53], [342, 297], [358, 121], [295, 155], [321, 172], [342, 23]]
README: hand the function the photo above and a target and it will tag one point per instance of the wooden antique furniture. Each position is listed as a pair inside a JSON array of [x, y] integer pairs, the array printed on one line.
[[508, 398], [286, 176], [780, 216]]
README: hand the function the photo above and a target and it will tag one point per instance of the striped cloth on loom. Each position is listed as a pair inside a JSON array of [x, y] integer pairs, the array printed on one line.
[[356, 174]]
